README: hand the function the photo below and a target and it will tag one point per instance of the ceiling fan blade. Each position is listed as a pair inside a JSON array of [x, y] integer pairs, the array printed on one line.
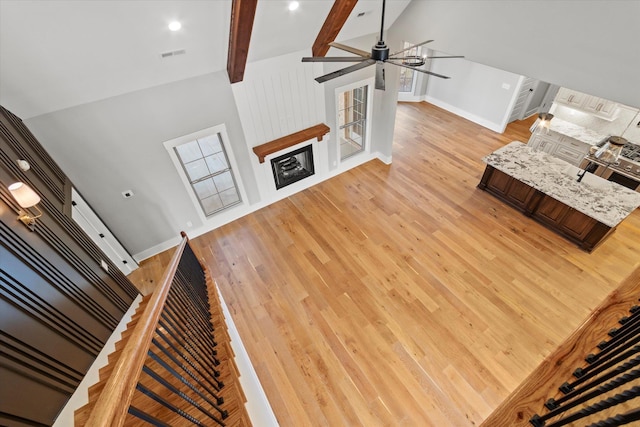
[[344, 71], [334, 59], [410, 47], [444, 57], [380, 75], [353, 50], [418, 69], [403, 58], [431, 73]]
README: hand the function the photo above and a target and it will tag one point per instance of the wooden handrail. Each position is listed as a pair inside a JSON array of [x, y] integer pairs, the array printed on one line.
[[529, 397], [113, 404]]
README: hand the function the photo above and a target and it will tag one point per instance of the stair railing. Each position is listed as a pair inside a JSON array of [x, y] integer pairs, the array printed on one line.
[[166, 373], [603, 390]]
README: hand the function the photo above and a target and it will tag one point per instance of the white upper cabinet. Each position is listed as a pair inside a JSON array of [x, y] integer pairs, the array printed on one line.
[[599, 107], [571, 98]]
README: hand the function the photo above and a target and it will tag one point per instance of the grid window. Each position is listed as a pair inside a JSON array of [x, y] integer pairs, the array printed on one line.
[[209, 172]]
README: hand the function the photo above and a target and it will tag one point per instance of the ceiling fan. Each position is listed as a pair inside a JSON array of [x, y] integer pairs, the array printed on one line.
[[379, 55]]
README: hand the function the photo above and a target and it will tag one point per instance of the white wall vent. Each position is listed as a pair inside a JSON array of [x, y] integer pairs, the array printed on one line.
[[173, 53]]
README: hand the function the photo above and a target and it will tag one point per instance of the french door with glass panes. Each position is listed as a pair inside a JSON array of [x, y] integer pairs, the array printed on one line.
[[352, 121], [407, 76]]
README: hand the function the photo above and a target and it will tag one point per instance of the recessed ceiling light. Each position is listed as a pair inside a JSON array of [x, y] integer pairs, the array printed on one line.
[[293, 5], [175, 26]]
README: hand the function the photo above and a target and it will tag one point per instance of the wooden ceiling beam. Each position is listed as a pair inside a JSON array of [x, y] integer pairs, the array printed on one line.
[[332, 25], [242, 14]]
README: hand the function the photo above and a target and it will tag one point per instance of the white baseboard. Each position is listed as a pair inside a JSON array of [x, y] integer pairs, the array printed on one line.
[[496, 127], [247, 209], [257, 406], [384, 158]]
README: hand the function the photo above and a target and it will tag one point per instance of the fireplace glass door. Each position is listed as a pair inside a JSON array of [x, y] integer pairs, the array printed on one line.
[[293, 166]]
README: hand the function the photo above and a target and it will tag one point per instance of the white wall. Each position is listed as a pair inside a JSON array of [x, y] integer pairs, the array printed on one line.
[[590, 46], [109, 146], [477, 92]]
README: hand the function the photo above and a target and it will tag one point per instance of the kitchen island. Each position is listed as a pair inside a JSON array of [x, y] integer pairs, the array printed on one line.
[[546, 189]]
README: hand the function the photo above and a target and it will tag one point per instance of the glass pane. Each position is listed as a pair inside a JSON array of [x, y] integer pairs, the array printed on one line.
[[207, 167], [196, 170], [352, 119], [224, 181], [217, 163], [189, 152], [205, 188], [351, 140], [229, 196], [212, 204], [210, 145], [407, 75]]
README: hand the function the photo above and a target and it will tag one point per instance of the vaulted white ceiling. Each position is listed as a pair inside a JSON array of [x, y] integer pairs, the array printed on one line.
[[56, 54]]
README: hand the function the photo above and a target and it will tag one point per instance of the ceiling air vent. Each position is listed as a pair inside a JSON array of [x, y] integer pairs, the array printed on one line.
[[173, 53]]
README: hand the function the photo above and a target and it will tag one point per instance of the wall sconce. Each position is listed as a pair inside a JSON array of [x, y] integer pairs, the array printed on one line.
[[26, 198]]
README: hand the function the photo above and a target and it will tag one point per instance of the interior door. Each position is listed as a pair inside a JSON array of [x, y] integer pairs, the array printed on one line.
[[534, 100], [91, 224], [522, 101]]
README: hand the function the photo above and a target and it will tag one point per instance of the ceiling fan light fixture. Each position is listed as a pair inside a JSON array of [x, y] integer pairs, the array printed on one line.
[[413, 60], [379, 56]]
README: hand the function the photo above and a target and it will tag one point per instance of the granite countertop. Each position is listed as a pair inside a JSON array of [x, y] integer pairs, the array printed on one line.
[[602, 200], [574, 131]]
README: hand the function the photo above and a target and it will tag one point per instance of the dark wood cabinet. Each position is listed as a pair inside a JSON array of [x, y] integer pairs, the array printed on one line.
[[587, 232], [517, 193]]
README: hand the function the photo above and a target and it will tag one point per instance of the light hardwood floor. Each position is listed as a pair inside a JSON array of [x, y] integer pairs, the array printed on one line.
[[401, 294]]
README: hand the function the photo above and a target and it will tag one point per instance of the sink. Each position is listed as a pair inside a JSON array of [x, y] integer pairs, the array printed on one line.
[[588, 179]]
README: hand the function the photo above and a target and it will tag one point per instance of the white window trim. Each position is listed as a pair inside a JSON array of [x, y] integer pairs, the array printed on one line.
[[367, 139], [411, 96], [219, 129]]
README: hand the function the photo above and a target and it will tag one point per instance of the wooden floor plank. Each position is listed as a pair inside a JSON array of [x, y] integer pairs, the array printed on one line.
[[401, 294]]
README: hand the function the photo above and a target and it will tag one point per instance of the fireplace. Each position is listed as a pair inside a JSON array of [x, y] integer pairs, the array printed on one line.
[[293, 166]]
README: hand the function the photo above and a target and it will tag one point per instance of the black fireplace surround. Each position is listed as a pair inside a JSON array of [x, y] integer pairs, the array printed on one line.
[[293, 166]]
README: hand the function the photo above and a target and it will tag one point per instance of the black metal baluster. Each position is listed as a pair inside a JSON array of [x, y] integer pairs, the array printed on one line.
[[174, 359], [606, 364], [171, 407], [628, 338], [600, 406], [619, 420], [191, 363], [612, 385], [189, 335], [173, 389], [196, 319], [146, 417], [197, 357], [553, 403]]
